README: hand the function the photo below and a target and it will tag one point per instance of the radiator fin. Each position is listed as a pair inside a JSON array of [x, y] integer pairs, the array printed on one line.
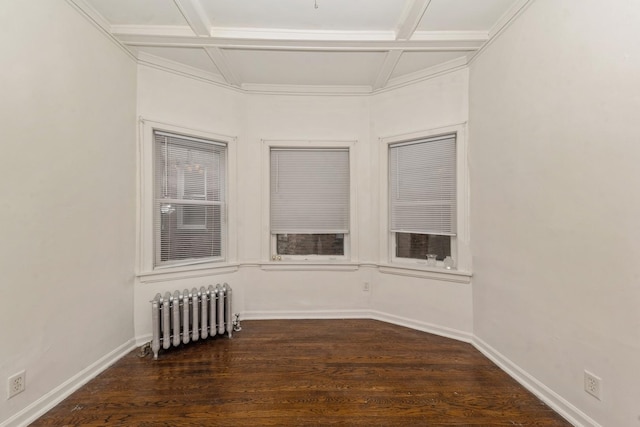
[[186, 316]]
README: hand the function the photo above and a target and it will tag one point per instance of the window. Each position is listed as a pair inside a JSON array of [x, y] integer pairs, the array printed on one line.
[[309, 200], [189, 194], [422, 197], [192, 185]]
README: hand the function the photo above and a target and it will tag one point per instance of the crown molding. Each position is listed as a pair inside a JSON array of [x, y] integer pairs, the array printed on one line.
[[451, 36], [252, 33], [432, 43], [175, 35], [91, 13], [152, 30], [179, 68], [99, 22], [168, 65], [306, 89], [282, 89], [428, 73], [290, 34], [501, 26], [164, 64], [509, 16]]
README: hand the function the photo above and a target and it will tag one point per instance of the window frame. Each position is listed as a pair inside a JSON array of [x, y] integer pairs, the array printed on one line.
[[276, 257], [269, 243], [421, 262], [147, 236], [180, 210], [460, 251]]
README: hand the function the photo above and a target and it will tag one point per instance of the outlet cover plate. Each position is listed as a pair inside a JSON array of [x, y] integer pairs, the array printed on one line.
[[16, 384], [592, 384]]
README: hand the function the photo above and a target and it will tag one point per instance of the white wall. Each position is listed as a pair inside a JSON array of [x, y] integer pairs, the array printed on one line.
[[554, 142], [67, 222], [194, 105], [312, 292], [552, 136], [264, 289], [438, 305]]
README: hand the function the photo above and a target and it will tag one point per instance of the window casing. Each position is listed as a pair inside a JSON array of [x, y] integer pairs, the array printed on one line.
[[422, 196], [427, 211], [309, 203], [418, 246], [189, 199]]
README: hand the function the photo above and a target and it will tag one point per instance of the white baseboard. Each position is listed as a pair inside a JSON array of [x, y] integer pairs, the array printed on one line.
[[360, 314], [310, 314], [344, 314], [544, 393], [423, 326], [58, 394], [143, 339]]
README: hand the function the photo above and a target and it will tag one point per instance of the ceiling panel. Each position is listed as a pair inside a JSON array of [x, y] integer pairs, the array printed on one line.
[[139, 12], [193, 57], [351, 15], [305, 68], [411, 62], [293, 42], [463, 15]]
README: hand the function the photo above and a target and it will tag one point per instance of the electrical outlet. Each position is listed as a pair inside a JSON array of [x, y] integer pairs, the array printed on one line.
[[592, 384], [17, 383], [365, 287]]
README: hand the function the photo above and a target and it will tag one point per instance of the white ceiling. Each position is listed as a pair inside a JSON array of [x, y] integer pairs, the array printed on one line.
[[336, 45]]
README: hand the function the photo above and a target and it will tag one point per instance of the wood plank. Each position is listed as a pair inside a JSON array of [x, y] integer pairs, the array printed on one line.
[[307, 372]]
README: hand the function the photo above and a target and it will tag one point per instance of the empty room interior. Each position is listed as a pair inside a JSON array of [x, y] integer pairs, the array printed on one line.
[[311, 154]]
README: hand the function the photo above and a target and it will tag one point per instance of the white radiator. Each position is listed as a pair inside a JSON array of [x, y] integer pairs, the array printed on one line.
[[189, 316]]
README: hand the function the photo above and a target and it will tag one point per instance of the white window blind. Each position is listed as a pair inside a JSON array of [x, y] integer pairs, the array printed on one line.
[[309, 191], [189, 192], [423, 186]]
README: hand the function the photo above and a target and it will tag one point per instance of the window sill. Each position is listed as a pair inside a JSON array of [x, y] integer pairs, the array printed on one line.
[[204, 270], [185, 272], [309, 266], [435, 273]]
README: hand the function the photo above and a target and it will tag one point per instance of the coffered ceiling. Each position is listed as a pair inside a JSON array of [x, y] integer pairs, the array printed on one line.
[[359, 46]]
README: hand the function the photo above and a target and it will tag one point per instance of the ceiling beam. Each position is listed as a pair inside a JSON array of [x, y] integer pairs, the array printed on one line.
[[217, 57], [411, 18], [389, 64], [431, 42], [195, 15], [307, 34]]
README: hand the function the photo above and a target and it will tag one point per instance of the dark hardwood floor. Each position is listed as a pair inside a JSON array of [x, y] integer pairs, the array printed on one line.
[[307, 372]]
